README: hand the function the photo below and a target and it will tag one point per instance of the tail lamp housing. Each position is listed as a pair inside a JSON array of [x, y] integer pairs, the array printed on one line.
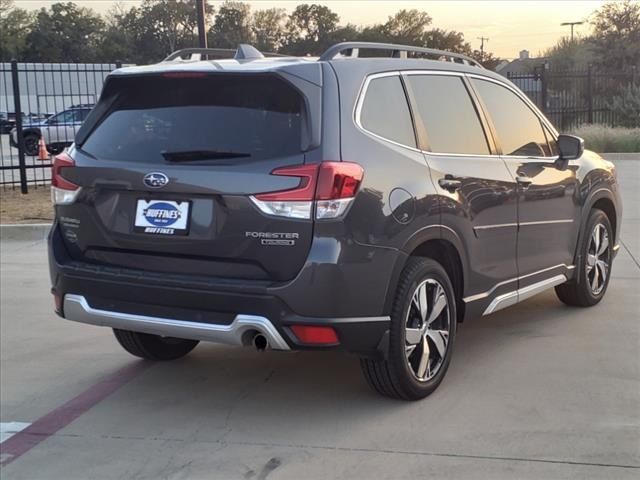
[[330, 187], [63, 192]]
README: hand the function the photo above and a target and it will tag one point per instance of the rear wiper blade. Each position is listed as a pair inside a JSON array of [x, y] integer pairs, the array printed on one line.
[[195, 155]]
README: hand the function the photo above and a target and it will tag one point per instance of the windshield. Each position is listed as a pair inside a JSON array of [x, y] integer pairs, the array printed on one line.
[[153, 119]]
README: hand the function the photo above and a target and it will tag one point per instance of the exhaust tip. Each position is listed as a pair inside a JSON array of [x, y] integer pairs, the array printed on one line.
[[260, 342]]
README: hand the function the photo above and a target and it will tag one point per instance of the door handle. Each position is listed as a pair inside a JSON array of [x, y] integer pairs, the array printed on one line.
[[449, 183], [524, 180]]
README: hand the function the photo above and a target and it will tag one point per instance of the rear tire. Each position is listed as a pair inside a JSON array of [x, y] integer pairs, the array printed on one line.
[[153, 347], [587, 289], [420, 339]]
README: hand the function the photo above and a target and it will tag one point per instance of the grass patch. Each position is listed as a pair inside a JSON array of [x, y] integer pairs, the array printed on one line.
[[604, 139], [35, 207]]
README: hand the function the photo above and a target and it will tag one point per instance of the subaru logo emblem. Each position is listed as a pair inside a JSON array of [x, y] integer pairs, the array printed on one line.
[[155, 179]]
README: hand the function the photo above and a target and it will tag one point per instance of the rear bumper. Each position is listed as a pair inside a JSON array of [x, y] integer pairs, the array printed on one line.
[[240, 332], [229, 312]]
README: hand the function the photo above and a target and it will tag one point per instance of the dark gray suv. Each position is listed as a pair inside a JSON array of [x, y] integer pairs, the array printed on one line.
[[353, 202]]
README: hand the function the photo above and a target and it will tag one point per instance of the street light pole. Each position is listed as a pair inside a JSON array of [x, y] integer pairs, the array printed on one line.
[[564, 24], [202, 28]]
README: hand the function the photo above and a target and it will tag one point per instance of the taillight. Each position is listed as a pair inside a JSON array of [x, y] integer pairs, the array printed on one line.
[[330, 186], [63, 192]]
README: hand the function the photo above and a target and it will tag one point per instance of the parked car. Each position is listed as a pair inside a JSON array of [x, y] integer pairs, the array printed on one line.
[[341, 203], [57, 130], [8, 121]]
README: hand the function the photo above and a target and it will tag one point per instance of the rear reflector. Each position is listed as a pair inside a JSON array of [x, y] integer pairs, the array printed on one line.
[[329, 186], [57, 301], [313, 335], [63, 192]]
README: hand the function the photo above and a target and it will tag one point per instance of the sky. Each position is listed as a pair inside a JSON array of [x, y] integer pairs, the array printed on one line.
[[511, 26]]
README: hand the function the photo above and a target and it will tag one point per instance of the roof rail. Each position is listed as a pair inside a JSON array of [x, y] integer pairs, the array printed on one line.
[[243, 52], [397, 51]]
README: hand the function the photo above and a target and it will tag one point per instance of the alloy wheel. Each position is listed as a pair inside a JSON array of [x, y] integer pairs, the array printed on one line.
[[598, 259], [427, 329]]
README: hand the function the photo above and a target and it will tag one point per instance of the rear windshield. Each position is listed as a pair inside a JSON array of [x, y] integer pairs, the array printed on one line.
[[159, 119]]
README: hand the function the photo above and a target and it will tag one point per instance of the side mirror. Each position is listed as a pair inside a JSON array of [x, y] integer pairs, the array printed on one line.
[[570, 147]]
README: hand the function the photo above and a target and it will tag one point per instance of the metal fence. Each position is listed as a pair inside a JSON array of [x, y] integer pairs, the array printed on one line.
[[573, 98], [42, 100]]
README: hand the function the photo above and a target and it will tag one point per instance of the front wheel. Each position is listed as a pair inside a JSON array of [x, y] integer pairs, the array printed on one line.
[[153, 347], [421, 336], [31, 144], [592, 277]]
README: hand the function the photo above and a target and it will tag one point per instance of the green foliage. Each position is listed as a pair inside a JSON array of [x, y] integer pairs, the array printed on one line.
[[571, 55], [232, 25], [613, 46], [269, 29], [149, 32], [604, 139], [616, 35], [15, 24], [626, 106], [65, 33]]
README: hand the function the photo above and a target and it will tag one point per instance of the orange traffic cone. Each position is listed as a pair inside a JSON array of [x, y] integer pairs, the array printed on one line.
[[43, 154]]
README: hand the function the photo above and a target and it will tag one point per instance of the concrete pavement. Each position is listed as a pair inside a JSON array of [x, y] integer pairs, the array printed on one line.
[[536, 391]]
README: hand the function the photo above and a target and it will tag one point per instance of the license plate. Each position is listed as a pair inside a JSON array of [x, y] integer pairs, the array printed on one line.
[[162, 217]]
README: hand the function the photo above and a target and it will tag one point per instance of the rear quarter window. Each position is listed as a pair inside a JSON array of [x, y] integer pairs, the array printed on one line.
[[385, 111]]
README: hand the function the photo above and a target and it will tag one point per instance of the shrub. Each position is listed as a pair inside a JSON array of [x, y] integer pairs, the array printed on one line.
[[603, 139], [626, 106]]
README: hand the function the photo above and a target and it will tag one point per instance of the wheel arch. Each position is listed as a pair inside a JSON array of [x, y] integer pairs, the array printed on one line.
[[442, 245], [602, 199]]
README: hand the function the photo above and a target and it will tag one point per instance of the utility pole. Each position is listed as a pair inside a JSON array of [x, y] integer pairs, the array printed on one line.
[[564, 24], [202, 28], [482, 40]]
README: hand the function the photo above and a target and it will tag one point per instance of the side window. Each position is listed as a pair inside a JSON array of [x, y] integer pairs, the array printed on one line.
[[448, 115], [518, 129], [80, 115], [385, 111], [63, 117]]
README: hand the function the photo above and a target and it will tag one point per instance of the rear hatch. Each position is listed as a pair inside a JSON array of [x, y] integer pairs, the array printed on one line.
[[168, 164]]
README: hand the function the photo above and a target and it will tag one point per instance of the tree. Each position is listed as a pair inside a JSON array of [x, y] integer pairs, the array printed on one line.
[[407, 27], [15, 24], [571, 55], [309, 29], [232, 25], [269, 29], [65, 33], [616, 35], [449, 40]]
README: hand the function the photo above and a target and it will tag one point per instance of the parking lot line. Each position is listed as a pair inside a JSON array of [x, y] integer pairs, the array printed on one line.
[[24, 440]]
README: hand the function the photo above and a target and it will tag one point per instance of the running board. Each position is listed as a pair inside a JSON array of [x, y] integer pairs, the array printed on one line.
[[511, 298]]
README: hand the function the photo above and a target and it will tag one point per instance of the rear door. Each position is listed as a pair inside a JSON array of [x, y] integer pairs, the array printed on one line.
[[170, 168], [477, 191], [548, 192]]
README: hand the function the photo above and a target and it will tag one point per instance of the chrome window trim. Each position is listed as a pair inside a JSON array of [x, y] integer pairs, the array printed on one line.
[[480, 296], [357, 111]]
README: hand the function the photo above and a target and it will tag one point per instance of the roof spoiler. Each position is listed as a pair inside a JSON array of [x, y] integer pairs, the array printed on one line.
[[243, 52]]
